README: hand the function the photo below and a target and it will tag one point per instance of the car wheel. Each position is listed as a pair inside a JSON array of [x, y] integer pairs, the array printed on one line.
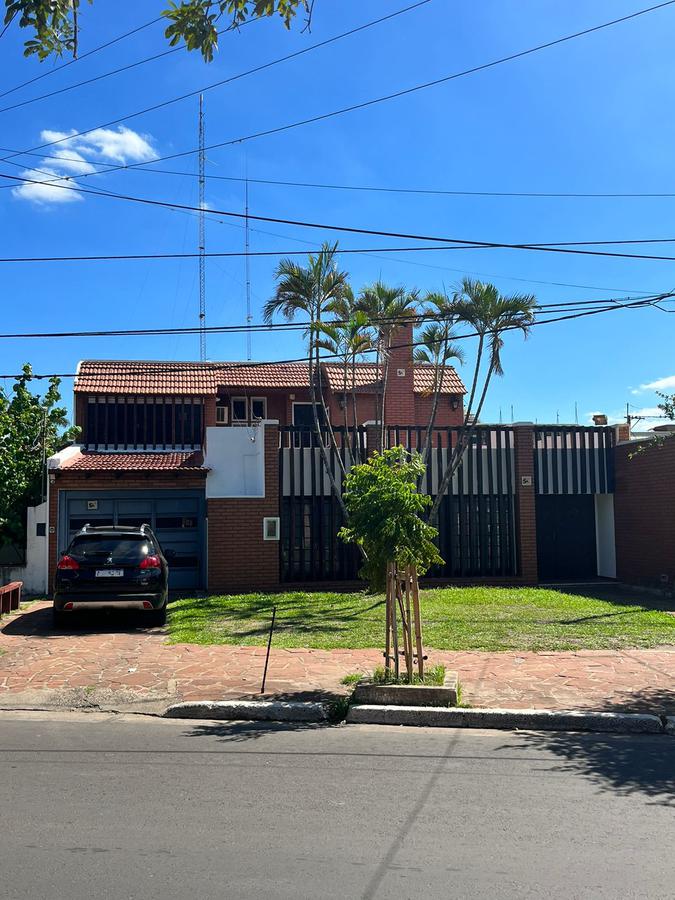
[[158, 616]]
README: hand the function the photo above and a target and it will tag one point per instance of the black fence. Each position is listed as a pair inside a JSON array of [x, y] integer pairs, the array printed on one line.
[[476, 523], [310, 513], [571, 459]]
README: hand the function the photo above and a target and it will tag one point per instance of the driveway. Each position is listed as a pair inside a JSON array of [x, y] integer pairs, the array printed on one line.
[[115, 662]]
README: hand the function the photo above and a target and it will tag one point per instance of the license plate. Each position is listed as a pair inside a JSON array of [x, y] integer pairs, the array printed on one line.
[[109, 573]]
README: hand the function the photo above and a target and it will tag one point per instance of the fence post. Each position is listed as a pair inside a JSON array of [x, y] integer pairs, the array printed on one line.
[[372, 439], [525, 489]]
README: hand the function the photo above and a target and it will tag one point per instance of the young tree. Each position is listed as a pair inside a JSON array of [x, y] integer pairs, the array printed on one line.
[[55, 24], [490, 315], [31, 429], [310, 290], [385, 522], [385, 514]]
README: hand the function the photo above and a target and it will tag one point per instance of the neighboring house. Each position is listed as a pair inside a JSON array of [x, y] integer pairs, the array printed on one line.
[[160, 444]]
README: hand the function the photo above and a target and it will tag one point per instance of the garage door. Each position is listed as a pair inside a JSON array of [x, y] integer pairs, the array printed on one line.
[[176, 517]]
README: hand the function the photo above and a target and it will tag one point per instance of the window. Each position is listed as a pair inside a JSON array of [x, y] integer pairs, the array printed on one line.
[[258, 408], [248, 409], [221, 414], [239, 410], [147, 422]]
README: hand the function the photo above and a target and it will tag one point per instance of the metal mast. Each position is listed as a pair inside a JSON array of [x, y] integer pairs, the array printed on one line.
[[202, 237], [249, 317]]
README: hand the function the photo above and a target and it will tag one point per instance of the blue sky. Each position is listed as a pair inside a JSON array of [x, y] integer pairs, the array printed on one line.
[[590, 115]]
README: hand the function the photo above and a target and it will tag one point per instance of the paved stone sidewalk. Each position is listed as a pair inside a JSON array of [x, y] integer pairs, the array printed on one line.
[[118, 664]]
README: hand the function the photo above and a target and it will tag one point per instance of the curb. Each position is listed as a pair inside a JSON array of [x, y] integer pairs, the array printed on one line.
[[527, 719], [249, 710]]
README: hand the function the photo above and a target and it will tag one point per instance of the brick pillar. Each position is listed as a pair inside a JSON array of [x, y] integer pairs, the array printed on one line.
[[400, 398], [526, 516], [373, 434], [622, 432]]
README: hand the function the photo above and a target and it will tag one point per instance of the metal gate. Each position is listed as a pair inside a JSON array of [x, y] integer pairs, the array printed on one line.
[[477, 528], [176, 517], [566, 546]]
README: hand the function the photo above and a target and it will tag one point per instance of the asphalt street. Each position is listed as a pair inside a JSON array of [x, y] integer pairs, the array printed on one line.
[[104, 806]]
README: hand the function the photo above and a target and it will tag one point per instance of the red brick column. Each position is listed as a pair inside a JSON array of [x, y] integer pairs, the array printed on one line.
[[526, 516], [373, 435], [239, 558]]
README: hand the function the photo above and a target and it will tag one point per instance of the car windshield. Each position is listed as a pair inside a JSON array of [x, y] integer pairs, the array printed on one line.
[[120, 549]]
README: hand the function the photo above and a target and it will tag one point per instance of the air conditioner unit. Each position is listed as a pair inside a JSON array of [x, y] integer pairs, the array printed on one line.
[[221, 415]]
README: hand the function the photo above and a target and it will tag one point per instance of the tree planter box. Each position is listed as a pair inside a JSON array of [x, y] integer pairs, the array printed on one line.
[[408, 694]]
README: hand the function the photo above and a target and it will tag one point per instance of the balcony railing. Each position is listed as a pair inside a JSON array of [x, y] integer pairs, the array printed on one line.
[[143, 423]]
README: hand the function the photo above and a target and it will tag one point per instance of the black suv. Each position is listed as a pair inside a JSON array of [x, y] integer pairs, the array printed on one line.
[[112, 567]]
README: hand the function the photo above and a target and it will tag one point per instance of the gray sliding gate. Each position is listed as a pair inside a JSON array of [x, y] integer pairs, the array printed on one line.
[[177, 518]]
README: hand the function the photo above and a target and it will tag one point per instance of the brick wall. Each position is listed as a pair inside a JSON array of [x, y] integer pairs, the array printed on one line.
[[238, 557], [109, 481], [526, 516], [644, 514]]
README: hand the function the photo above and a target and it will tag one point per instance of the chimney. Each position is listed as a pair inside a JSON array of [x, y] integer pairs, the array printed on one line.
[[400, 398]]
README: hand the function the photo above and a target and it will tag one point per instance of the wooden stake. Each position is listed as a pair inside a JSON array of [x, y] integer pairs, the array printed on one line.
[[409, 659], [418, 621], [405, 625], [394, 627], [387, 651]]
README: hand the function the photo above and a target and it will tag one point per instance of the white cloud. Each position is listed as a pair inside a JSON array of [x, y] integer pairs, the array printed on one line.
[[661, 384], [121, 146], [76, 155], [46, 187], [72, 161]]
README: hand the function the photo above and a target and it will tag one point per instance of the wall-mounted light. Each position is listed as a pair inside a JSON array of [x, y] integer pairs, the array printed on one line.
[[454, 403]]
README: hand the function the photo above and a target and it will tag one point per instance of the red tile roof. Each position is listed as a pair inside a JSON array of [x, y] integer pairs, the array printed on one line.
[[199, 379], [141, 377], [423, 378], [89, 460]]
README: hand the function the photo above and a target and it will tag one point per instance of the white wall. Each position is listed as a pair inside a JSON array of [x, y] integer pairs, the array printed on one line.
[[604, 535], [236, 459], [34, 573]]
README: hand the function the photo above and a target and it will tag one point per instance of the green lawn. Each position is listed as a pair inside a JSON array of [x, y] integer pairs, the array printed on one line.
[[470, 618]]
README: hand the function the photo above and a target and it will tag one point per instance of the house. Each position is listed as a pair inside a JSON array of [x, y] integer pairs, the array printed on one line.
[[194, 450]]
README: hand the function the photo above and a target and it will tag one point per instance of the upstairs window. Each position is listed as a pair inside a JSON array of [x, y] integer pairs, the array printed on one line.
[[248, 410], [143, 422]]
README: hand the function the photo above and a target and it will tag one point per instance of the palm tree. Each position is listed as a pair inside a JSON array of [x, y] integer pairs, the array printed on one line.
[[309, 290], [387, 309], [438, 347], [490, 315], [347, 338]]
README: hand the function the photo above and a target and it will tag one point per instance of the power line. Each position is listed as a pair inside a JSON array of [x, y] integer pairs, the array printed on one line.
[[440, 192], [570, 308], [364, 104], [568, 247], [182, 367], [238, 76], [79, 58]]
